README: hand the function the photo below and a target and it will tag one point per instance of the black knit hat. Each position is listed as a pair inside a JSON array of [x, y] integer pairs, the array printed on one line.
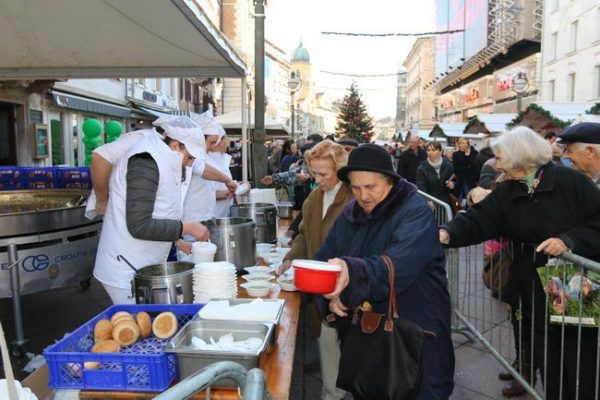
[[368, 157]]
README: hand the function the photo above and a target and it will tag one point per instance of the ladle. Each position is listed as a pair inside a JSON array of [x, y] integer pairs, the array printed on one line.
[[121, 258]]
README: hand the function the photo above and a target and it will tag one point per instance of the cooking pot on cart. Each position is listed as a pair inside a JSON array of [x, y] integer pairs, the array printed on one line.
[[164, 283]]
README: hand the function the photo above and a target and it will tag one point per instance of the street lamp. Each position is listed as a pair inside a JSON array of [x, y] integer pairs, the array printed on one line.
[[294, 84], [520, 84]]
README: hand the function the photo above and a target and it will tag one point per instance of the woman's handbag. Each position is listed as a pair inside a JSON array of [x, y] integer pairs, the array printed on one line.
[[382, 355], [496, 266]]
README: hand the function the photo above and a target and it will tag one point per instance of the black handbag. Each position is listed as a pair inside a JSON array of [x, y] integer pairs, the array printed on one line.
[[381, 357]]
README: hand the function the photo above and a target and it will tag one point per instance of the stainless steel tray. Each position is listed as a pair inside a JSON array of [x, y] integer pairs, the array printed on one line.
[[235, 302], [191, 360]]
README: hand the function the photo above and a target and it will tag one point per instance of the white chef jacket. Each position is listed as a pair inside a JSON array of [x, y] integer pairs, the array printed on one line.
[[222, 160], [115, 238]]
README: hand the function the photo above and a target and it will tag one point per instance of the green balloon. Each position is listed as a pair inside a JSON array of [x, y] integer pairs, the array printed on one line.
[[91, 128], [113, 129]]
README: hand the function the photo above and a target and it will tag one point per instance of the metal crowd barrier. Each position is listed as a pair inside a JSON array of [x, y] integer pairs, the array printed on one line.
[[551, 348], [251, 383]]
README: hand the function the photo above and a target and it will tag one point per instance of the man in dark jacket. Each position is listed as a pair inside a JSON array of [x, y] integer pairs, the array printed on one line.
[[410, 159]]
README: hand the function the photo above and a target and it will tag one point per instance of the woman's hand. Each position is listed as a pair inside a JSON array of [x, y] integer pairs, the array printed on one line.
[[196, 229], [343, 280], [444, 236], [449, 184], [184, 246], [267, 180], [231, 185], [553, 246], [285, 265]]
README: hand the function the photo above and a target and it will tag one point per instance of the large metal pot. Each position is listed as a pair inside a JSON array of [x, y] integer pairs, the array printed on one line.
[[235, 240], [165, 283], [285, 209], [263, 214]]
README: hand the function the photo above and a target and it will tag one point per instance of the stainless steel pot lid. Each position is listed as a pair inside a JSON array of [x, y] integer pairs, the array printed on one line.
[[254, 205], [171, 268], [224, 222]]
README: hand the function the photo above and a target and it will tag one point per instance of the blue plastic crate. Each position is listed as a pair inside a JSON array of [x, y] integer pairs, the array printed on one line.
[[73, 174], [11, 186], [10, 174], [141, 367], [39, 174]]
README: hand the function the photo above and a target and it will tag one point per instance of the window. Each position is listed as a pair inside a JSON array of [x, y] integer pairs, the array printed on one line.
[[573, 36], [553, 46], [571, 87], [597, 69], [551, 90]]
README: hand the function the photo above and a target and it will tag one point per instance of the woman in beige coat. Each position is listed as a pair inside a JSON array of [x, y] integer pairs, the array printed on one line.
[[319, 211]]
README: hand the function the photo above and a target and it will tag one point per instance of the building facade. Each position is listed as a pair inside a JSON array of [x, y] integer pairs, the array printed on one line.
[[420, 106], [571, 51], [401, 100], [496, 44]]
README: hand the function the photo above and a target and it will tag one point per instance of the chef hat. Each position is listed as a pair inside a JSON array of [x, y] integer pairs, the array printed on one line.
[[209, 124], [163, 119], [186, 131]]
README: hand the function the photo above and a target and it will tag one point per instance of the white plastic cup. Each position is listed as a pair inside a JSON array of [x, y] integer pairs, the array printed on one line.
[[203, 252]]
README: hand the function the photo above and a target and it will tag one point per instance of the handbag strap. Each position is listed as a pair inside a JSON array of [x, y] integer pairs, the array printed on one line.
[[392, 305]]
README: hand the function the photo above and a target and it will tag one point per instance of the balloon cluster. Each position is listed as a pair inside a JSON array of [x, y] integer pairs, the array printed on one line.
[[91, 137], [112, 130]]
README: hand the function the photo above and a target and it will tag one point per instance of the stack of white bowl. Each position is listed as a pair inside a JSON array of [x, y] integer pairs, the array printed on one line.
[[214, 280]]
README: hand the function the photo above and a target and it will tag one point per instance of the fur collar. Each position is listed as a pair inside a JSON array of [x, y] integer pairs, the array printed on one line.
[[401, 191]]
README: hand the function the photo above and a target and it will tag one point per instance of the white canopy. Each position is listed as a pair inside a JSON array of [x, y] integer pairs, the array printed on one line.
[[44, 39], [586, 118], [233, 120], [496, 122], [566, 111]]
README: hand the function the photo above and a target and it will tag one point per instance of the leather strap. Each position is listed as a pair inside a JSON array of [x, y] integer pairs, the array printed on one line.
[[392, 305]]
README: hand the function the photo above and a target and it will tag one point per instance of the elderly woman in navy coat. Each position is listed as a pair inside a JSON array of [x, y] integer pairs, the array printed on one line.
[[388, 217]]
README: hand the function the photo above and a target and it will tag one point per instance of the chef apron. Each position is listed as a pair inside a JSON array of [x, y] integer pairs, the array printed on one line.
[[221, 160], [115, 238]]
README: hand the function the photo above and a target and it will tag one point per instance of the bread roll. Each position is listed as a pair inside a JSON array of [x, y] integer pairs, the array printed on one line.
[[165, 325], [117, 315], [143, 320], [106, 346], [90, 365], [126, 332], [103, 330], [122, 318]]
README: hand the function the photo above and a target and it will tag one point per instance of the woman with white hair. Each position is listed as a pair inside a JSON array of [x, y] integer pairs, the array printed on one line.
[[545, 210]]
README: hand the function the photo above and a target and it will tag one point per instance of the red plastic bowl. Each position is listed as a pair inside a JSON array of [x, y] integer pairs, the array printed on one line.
[[315, 276]]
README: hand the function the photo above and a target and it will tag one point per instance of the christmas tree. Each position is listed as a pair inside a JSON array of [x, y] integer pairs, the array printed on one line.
[[353, 121]]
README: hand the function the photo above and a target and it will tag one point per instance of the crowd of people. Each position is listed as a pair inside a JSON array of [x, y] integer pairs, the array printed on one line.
[[358, 203]]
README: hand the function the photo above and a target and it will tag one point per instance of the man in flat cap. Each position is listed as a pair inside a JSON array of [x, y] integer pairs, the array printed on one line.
[[583, 148], [348, 144]]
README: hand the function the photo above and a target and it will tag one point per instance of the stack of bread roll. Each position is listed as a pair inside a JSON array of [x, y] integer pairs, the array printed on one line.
[[124, 329]]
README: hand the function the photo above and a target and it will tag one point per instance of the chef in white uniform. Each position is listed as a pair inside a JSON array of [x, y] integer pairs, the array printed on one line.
[[143, 216], [106, 158], [200, 201], [221, 160]]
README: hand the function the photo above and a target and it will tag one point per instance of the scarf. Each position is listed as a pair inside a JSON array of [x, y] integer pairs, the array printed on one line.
[[437, 165]]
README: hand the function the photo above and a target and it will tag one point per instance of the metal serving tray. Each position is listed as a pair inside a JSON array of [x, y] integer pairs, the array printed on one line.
[[191, 360]]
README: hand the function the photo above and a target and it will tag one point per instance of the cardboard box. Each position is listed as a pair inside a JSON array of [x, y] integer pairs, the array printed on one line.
[[37, 381]]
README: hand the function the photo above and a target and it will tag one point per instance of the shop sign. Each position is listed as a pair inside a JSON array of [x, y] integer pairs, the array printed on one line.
[[505, 79], [149, 96], [472, 94]]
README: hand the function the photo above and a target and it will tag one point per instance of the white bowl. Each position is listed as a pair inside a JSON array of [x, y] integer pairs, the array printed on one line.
[[242, 188], [258, 277], [264, 247], [257, 289], [261, 269], [281, 250], [287, 283]]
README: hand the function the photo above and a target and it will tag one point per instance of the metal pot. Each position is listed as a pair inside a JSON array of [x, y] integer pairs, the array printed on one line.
[[235, 240], [285, 208], [263, 214], [165, 283]]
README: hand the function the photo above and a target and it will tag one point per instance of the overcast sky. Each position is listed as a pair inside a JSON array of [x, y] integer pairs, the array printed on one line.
[[289, 20]]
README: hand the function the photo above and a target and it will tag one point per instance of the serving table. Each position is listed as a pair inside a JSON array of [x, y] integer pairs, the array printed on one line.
[[277, 365]]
